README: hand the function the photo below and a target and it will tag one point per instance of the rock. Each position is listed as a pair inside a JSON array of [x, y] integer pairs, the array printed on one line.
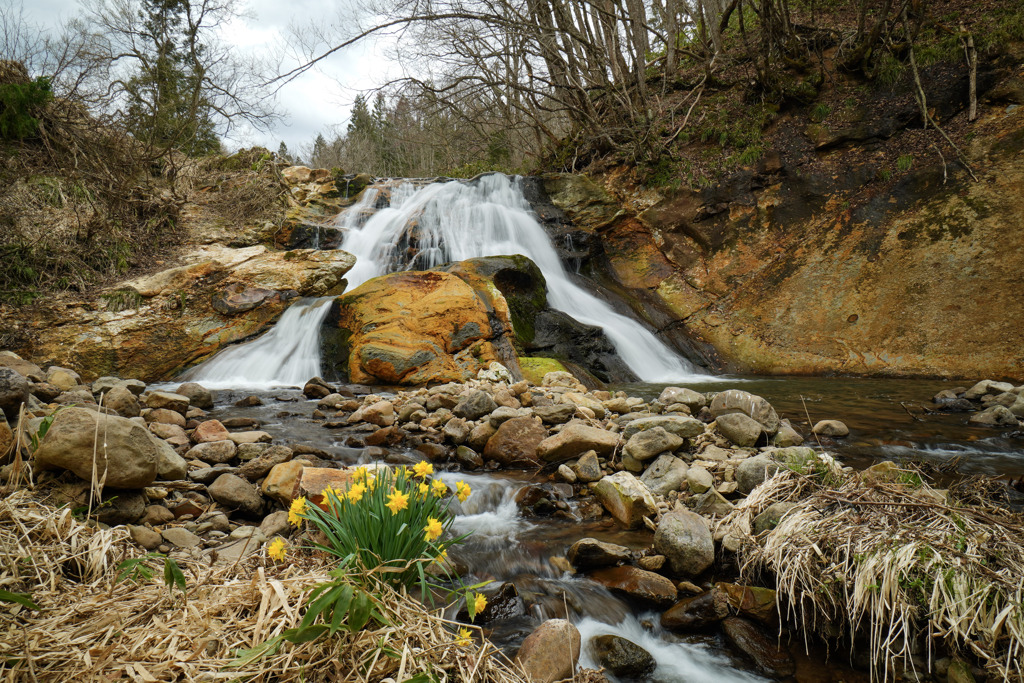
[[996, 416], [749, 639], [236, 493], [381, 413], [122, 402], [259, 467], [313, 481], [167, 417], [213, 452], [771, 516], [516, 442], [315, 390], [698, 612], [575, 439], [752, 472], [590, 553], [145, 537], [504, 413], [480, 435], [210, 431], [62, 378], [830, 428], [680, 425], [685, 539], [751, 601], [249, 402], [652, 563], [698, 479], [456, 430], [121, 507], [665, 474], [959, 672], [625, 498], [566, 474], [475, 405], [169, 465], [14, 391], [156, 515], [129, 459], [168, 401], [207, 475], [787, 436], [6, 440], [197, 395], [986, 386], [282, 482], [468, 458], [688, 397], [495, 372], [275, 524], [751, 405], [588, 468], [105, 384], [740, 429], [250, 451], [180, 537], [648, 443], [1018, 406], [622, 657], [556, 414], [636, 583], [550, 653], [712, 503], [583, 401], [240, 438], [46, 392]]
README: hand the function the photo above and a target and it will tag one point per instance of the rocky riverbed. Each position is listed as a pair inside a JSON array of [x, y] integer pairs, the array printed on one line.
[[674, 470]]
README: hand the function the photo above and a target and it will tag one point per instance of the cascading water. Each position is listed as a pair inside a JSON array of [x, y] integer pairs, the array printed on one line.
[[489, 216], [287, 355]]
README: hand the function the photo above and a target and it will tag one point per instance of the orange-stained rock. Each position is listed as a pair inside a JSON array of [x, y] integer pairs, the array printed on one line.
[[210, 430], [550, 653], [282, 482], [314, 480], [637, 583], [414, 327]]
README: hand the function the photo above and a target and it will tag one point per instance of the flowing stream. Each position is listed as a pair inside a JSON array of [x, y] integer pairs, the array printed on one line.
[[489, 216]]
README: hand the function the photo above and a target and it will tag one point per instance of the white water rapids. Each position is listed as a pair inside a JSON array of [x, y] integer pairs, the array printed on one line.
[[490, 216]]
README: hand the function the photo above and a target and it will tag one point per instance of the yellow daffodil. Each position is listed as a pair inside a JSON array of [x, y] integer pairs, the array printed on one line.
[[277, 549], [423, 488], [422, 469], [355, 493], [433, 529], [463, 491], [360, 475], [297, 509], [465, 637], [479, 603], [441, 558], [397, 501], [440, 489]]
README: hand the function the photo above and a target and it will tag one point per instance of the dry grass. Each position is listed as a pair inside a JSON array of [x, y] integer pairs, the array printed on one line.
[[895, 562], [92, 628]]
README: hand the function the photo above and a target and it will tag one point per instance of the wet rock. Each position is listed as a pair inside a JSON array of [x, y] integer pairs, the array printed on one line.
[[830, 428], [249, 402], [665, 474], [574, 439], [259, 467], [236, 493], [740, 429], [636, 583], [651, 442], [771, 516], [588, 468], [314, 390], [197, 395], [468, 458], [180, 537], [282, 482], [751, 405], [752, 641], [697, 612], [680, 425], [505, 603], [751, 601], [986, 386], [475, 405], [712, 503], [590, 553], [626, 498], [168, 401], [688, 397], [516, 442], [550, 653], [685, 539], [536, 499], [698, 479], [14, 391], [556, 414], [210, 430], [622, 657], [129, 458], [996, 416], [213, 452], [752, 472]]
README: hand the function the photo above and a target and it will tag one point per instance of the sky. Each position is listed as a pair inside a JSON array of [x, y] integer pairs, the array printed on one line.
[[318, 99]]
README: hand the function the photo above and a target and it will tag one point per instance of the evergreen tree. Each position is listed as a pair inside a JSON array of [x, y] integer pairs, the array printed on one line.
[[319, 154], [282, 152]]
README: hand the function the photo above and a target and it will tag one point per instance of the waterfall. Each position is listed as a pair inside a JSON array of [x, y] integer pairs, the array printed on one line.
[[287, 355], [489, 216]]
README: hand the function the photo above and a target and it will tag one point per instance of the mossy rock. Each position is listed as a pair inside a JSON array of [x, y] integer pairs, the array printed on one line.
[[534, 369]]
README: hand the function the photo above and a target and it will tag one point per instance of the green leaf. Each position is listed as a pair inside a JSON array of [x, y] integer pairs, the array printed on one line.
[[246, 657], [173, 576], [340, 608], [23, 599], [305, 634], [360, 611]]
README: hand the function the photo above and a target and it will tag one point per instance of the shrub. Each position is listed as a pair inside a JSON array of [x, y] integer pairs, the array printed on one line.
[[19, 105]]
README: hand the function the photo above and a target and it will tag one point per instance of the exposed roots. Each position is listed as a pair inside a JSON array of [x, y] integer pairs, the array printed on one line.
[[896, 562], [90, 627]]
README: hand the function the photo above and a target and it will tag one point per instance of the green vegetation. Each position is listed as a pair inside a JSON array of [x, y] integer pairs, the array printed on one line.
[[20, 105], [905, 162], [136, 570], [122, 300]]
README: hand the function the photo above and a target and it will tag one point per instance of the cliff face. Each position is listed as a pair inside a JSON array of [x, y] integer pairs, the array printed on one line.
[[828, 255]]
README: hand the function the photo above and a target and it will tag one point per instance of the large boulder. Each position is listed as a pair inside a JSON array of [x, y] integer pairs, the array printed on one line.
[[740, 429], [651, 442], [685, 539], [120, 451], [575, 439], [516, 442], [626, 498], [665, 474], [622, 657], [751, 405], [752, 472], [637, 583], [590, 553], [550, 653], [413, 328], [688, 397]]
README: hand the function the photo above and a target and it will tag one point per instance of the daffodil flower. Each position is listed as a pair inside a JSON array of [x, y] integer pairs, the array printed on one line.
[[297, 509], [422, 469], [433, 529], [462, 491], [355, 493], [398, 500], [277, 549], [440, 489]]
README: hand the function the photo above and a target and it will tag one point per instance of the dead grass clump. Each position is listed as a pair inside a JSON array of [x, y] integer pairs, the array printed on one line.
[[905, 566], [90, 627]]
